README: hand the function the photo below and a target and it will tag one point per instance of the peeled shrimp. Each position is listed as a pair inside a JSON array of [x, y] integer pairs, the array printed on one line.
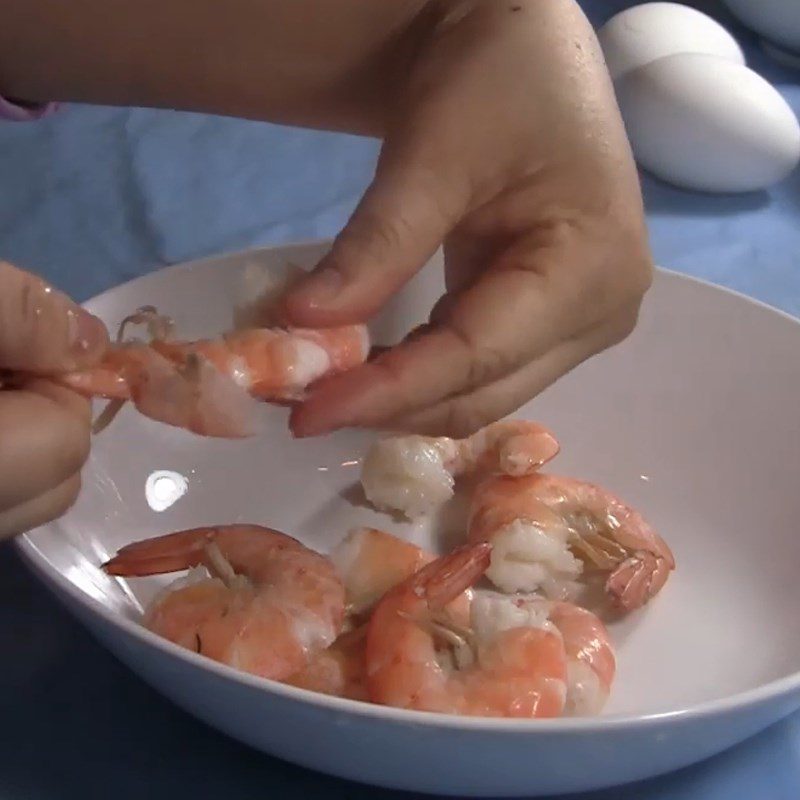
[[211, 386], [418, 657], [415, 474], [545, 530], [591, 663], [337, 670], [269, 605], [371, 561]]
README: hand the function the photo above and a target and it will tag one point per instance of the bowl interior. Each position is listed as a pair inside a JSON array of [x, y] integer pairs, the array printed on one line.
[[694, 420]]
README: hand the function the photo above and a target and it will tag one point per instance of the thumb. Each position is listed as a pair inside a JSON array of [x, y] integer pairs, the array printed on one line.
[[400, 222], [41, 329]]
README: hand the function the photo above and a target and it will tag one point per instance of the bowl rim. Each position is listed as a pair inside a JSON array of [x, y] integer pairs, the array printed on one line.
[[739, 701]]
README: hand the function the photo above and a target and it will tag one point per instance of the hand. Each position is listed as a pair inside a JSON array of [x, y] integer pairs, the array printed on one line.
[[44, 429], [507, 146]]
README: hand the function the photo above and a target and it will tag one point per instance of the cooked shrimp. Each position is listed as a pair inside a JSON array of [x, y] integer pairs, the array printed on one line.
[[338, 670], [275, 364], [545, 530], [269, 605], [591, 663], [193, 396], [371, 561], [210, 387], [414, 474], [417, 657]]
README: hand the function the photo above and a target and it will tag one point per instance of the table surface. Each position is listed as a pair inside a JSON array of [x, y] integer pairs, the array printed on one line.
[[95, 197]]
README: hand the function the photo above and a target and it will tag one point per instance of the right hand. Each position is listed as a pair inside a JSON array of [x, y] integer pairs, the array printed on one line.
[[44, 429]]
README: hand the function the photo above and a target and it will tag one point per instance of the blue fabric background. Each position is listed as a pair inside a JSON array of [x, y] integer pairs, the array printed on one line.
[[94, 197]]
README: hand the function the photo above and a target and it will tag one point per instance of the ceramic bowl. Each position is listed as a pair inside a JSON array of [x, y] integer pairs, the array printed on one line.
[[694, 420]]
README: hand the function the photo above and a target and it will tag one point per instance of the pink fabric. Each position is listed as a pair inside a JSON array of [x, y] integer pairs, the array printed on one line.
[[19, 113]]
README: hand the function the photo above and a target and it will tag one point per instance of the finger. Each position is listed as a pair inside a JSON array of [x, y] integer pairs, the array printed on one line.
[[517, 311], [44, 438], [398, 226], [41, 329], [41, 509], [465, 414]]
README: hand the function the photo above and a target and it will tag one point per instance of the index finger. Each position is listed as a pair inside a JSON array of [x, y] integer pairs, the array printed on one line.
[[517, 311], [41, 329]]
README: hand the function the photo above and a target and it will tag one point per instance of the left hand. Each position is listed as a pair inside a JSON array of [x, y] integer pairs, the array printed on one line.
[[507, 147]]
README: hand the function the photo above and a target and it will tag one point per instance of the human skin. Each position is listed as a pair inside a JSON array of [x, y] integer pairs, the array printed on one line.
[[502, 142]]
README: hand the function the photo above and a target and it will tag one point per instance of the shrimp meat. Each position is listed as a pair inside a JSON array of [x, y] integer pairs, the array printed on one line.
[[591, 661], [415, 474], [267, 607], [547, 530], [419, 657]]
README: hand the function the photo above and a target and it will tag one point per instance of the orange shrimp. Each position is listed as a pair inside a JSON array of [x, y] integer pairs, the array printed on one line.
[[337, 670], [370, 562], [591, 662], [414, 474], [193, 396], [545, 529], [516, 671], [211, 386], [269, 606]]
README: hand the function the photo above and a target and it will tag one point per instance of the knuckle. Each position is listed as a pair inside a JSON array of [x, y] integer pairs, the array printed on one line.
[[484, 363], [462, 418], [370, 234]]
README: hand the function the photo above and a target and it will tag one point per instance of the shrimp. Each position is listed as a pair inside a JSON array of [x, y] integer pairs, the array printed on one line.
[[546, 529], [370, 562], [269, 605], [211, 386], [275, 364], [417, 657], [415, 474], [193, 396], [591, 662], [338, 670]]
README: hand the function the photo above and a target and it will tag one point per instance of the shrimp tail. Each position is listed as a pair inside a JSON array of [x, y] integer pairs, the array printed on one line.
[[443, 580], [170, 553], [637, 580], [526, 452]]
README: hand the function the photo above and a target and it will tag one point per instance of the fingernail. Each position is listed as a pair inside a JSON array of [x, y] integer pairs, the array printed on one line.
[[90, 334], [321, 287]]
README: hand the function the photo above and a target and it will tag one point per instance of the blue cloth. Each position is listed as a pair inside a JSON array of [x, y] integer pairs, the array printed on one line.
[[94, 197]]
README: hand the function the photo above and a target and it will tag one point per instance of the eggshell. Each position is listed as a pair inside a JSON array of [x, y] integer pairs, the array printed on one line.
[[705, 123], [645, 33], [777, 20]]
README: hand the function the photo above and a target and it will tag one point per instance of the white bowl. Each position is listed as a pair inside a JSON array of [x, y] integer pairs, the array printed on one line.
[[778, 21], [694, 420]]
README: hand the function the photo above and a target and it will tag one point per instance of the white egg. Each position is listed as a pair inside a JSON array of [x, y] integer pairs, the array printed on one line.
[[704, 123], [644, 33], [777, 20]]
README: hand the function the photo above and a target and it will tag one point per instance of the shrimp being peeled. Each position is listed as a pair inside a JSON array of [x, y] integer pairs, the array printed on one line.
[[419, 657], [267, 604], [415, 474], [212, 386], [548, 532], [591, 662]]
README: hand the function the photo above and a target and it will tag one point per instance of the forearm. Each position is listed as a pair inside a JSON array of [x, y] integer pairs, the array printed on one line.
[[319, 63]]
